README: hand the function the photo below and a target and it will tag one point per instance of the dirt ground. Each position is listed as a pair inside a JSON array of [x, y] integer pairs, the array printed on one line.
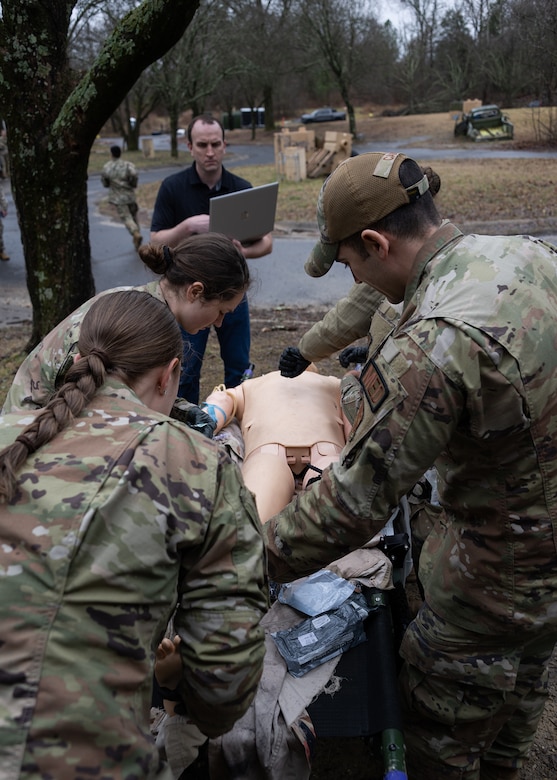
[[274, 329]]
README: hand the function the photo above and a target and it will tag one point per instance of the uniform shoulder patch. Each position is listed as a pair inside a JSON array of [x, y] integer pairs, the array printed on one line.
[[374, 384]]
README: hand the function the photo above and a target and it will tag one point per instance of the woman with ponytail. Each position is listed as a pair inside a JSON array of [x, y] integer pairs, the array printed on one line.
[[113, 518], [200, 281]]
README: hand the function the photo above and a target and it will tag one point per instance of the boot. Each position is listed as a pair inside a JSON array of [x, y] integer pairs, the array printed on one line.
[[4, 256], [137, 240]]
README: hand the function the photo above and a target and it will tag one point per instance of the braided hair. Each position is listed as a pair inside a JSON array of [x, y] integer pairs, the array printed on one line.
[[125, 334]]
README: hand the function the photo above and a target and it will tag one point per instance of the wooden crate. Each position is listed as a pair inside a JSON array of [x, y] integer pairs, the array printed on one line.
[[336, 148], [287, 139]]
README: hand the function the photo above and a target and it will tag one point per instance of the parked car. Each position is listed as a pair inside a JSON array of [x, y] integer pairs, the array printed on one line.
[[323, 115], [485, 123]]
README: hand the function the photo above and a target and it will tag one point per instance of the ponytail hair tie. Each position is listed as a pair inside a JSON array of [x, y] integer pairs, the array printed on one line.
[[167, 257], [103, 357], [26, 441]]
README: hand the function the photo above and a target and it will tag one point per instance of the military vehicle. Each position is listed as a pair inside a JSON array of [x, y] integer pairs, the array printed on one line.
[[485, 123]]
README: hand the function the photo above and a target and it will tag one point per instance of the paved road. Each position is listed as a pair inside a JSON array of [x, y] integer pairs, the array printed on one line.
[[278, 278]]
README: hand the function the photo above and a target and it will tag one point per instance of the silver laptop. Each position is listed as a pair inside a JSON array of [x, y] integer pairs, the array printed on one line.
[[246, 215]]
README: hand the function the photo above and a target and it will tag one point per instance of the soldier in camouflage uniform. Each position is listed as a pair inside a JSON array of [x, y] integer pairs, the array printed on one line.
[[467, 381], [348, 320], [120, 176], [201, 280], [114, 518]]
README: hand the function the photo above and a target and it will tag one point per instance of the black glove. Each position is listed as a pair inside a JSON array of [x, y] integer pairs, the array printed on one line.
[[292, 362], [352, 355], [193, 417]]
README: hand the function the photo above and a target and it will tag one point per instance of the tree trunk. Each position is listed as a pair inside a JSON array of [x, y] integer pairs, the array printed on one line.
[[53, 116], [54, 234], [268, 102], [173, 118]]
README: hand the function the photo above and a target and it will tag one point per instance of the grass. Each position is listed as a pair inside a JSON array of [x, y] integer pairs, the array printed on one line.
[[507, 192], [472, 191], [494, 195]]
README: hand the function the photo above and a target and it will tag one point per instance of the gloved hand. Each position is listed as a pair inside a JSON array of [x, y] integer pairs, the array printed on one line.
[[193, 417], [292, 362], [352, 355]]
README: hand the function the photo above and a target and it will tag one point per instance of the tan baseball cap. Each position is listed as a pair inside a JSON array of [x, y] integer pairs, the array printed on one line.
[[359, 192]]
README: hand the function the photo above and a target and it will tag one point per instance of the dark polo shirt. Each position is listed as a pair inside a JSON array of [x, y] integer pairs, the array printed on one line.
[[183, 194]]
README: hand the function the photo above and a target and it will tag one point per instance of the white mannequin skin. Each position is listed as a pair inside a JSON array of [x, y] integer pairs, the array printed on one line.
[[282, 421]]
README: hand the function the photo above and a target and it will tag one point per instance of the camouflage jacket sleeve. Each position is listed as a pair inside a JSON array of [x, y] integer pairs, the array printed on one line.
[[139, 519], [346, 322], [390, 447], [3, 200], [222, 596], [131, 175]]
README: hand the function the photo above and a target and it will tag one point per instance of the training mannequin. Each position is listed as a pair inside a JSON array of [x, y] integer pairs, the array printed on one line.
[[292, 429]]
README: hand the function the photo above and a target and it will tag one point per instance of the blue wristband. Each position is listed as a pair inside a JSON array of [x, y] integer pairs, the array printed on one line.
[[212, 409]]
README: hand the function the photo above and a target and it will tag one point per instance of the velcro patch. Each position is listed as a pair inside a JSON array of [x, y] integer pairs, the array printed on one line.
[[374, 384]]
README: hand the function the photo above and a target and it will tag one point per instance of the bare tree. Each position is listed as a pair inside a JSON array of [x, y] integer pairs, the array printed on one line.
[[454, 58], [192, 70], [427, 15], [138, 104], [416, 73], [53, 114], [536, 22], [261, 31], [337, 32], [484, 19]]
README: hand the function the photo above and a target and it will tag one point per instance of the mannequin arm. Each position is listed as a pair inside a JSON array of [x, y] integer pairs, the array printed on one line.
[[224, 404]]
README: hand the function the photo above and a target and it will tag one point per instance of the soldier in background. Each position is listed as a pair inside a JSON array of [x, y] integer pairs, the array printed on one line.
[[120, 176]]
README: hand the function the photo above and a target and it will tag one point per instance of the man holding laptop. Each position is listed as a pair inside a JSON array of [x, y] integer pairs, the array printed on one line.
[[182, 208]]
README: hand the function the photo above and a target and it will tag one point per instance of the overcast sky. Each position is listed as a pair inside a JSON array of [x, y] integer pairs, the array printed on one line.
[[393, 10]]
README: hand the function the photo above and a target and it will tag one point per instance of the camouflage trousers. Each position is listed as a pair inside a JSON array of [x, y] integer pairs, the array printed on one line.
[[1, 234], [471, 702], [128, 214]]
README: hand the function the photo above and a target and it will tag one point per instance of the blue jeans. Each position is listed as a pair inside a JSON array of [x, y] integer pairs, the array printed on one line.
[[234, 339]]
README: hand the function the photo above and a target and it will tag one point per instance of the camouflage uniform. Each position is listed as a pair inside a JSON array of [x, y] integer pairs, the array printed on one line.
[[468, 381], [120, 519], [346, 322], [42, 371], [121, 178]]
